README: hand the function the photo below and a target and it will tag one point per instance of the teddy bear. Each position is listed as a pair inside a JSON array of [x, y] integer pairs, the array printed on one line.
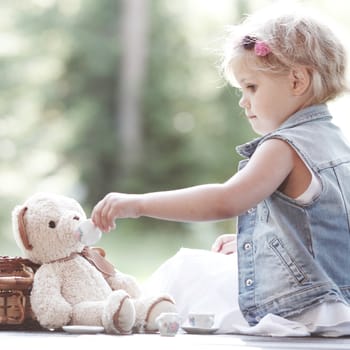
[[75, 284]]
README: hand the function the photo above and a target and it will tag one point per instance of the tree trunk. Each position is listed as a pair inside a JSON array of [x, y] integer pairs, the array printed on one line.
[[134, 46]]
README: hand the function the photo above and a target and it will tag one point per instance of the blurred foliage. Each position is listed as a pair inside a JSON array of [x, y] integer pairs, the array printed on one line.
[[60, 68]]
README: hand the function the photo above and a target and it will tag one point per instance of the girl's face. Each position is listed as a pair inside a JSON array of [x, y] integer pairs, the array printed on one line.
[[267, 98]]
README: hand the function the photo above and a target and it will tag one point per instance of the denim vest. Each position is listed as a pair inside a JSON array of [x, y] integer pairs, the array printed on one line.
[[293, 256]]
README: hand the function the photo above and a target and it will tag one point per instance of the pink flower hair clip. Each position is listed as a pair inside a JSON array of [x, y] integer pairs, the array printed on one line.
[[260, 47]]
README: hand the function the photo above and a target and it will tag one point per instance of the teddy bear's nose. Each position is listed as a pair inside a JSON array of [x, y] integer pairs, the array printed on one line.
[[76, 218]]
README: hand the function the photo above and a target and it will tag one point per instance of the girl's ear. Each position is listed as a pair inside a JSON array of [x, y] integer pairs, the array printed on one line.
[[300, 80]]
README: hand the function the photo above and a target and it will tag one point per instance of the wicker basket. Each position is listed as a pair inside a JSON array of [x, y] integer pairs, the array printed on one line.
[[16, 280]]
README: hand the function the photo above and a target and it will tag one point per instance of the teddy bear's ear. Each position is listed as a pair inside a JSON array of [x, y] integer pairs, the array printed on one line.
[[21, 228]]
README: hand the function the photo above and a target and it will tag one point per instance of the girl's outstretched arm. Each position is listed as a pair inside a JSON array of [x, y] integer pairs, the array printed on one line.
[[265, 172]]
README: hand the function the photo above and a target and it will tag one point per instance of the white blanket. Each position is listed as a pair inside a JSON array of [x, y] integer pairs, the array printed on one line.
[[203, 281]]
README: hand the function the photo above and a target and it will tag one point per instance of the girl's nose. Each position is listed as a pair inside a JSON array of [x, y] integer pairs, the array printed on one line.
[[243, 102]]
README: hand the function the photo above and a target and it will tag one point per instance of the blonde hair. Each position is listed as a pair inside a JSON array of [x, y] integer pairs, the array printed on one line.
[[294, 38]]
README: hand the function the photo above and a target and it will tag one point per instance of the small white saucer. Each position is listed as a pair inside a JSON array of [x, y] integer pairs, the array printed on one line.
[[196, 330], [77, 329]]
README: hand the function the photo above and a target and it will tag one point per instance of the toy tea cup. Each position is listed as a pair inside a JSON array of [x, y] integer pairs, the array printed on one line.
[[168, 323], [87, 233], [200, 320]]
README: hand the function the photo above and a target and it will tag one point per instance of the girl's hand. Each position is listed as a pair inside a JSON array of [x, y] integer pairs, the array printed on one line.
[[225, 244], [114, 206]]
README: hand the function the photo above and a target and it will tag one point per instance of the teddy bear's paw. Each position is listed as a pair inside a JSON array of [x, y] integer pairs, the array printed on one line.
[[148, 309], [50, 315], [119, 313]]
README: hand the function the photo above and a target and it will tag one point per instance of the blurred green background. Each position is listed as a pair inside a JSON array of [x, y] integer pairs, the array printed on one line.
[[111, 95]]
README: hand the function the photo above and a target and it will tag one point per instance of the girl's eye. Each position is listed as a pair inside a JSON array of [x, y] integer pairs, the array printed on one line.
[[52, 224], [251, 87]]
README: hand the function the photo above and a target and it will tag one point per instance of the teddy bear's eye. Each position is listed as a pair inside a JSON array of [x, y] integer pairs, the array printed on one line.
[[52, 224]]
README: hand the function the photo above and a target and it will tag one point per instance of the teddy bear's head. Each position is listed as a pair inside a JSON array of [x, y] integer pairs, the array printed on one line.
[[44, 227]]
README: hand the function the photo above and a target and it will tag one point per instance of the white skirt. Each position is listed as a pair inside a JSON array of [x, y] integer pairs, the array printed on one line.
[[206, 282]]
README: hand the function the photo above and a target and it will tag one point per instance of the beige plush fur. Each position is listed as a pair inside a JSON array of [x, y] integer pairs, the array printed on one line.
[[68, 289]]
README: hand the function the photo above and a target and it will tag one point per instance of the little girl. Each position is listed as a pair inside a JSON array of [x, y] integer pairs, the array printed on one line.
[[291, 194]]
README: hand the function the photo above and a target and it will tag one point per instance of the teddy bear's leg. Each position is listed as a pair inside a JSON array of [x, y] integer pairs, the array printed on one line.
[[88, 313], [148, 309], [119, 313]]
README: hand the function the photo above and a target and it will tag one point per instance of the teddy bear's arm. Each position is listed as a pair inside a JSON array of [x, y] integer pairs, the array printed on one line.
[[126, 282], [48, 304]]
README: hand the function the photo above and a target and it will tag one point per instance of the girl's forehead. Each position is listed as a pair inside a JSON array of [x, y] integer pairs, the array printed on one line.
[[249, 70], [244, 61], [243, 72]]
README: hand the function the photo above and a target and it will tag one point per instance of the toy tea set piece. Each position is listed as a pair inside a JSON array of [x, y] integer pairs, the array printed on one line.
[[201, 320], [87, 233], [168, 323], [200, 323]]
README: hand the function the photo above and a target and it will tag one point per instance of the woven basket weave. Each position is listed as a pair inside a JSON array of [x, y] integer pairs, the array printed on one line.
[[16, 280]]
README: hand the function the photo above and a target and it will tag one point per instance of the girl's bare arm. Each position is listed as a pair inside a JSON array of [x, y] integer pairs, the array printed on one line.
[[269, 166]]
